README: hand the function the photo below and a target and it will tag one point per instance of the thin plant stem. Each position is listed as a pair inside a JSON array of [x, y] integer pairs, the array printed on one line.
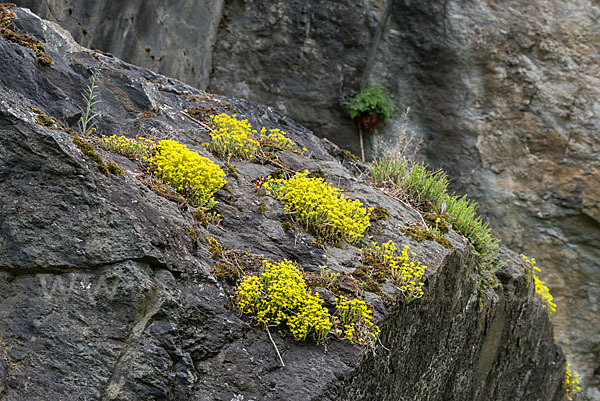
[[275, 345]]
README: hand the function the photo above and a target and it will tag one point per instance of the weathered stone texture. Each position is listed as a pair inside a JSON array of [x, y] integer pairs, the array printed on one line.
[[506, 96], [173, 37]]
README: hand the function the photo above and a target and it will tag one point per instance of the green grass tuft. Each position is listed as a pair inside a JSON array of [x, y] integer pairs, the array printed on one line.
[[420, 184]]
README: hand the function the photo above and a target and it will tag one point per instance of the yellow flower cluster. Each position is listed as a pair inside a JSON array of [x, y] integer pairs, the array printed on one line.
[[402, 268], [321, 208], [541, 287], [276, 138], [231, 137], [279, 296], [197, 177], [571, 383], [357, 322], [139, 148]]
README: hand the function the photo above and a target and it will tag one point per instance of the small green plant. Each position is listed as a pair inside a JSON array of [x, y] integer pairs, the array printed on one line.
[[370, 107], [371, 100], [320, 208], [401, 268], [486, 278], [192, 175], [571, 383], [540, 286], [138, 148], [214, 247], [405, 142], [278, 296], [441, 210], [88, 115], [415, 181], [356, 322], [330, 278], [418, 184]]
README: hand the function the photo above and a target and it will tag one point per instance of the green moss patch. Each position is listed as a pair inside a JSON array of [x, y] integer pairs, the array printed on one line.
[[441, 225], [114, 169], [232, 171], [205, 218], [350, 155], [148, 115], [191, 230], [421, 234], [366, 281], [11, 33], [214, 247], [201, 113], [379, 213], [89, 151], [43, 120], [165, 192], [287, 224], [316, 174], [226, 272]]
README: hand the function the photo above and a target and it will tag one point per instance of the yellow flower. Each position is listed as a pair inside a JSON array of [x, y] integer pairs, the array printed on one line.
[[231, 137], [321, 208], [139, 148], [540, 286], [279, 295], [402, 269], [197, 177]]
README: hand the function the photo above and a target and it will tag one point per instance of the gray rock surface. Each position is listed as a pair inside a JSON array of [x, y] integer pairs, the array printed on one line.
[[507, 100], [505, 96], [105, 295], [173, 37]]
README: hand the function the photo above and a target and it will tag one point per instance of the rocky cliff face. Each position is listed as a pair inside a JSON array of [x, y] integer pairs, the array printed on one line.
[[106, 294], [505, 96], [173, 37], [507, 99]]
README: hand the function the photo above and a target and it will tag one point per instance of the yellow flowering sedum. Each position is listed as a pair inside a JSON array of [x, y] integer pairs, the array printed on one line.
[[402, 268], [540, 286], [276, 138], [571, 383], [357, 322], [321, 208], [197, 177], [279, 296], [231, 137], [140, 148]]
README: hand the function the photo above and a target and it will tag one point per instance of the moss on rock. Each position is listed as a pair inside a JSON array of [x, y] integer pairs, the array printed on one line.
[[114, 169], [89, 151], [421, 234], [379, 213], [11, 33]]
